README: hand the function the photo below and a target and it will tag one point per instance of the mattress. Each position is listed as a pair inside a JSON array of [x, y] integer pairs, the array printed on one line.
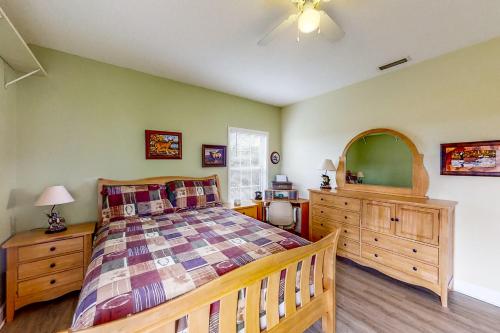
[[141, 262]]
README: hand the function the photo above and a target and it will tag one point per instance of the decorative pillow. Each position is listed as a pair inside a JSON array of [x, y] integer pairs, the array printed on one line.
[[190, 194], [211, 192], [134, 200]]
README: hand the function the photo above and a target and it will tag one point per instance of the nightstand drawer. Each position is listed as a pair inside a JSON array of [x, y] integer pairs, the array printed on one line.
[[46, 266], [48, 282], [31, 252], [248, 211]]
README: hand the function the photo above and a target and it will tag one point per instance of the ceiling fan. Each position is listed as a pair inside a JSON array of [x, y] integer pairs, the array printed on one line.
[[310, 18]]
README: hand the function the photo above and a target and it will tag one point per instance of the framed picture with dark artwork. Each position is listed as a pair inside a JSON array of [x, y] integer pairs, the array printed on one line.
[[162, 145], [481, 158], [213, 156]]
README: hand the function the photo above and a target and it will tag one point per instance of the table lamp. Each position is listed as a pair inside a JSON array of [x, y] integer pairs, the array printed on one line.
[[360, 175], [327, 165], [52, 196]]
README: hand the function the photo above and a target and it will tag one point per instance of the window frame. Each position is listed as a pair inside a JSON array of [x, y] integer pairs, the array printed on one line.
[[266, 153]]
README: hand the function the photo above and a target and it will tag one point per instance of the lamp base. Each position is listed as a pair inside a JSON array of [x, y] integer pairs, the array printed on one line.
[[55, 231], [325, 187]]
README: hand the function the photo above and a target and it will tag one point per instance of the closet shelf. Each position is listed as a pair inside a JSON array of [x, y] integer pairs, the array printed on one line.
[[15, 52]]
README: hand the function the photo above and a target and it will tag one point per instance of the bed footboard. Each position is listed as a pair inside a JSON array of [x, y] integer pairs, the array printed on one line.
[[320, 304]]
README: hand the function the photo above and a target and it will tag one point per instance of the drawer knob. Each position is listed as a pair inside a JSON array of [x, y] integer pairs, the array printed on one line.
[[53, 265], [345, 203], [321, 199], [345, 244], [392, 219], [321, 224], [321, 212], [396, 219], [52, 281], [414, 250], [414, 268], [345, 231], [376, 239], [376, 255], [53, 248], [345, 217]]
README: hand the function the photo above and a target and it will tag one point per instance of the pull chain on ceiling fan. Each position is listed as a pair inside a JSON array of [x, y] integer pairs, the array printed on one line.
[[309, 18]]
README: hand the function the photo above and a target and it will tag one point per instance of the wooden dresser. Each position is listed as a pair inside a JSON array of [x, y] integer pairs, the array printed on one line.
[[409, 239], [41, 267]]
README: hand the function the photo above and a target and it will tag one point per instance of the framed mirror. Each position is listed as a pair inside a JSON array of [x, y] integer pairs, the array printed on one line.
[[382, 161]]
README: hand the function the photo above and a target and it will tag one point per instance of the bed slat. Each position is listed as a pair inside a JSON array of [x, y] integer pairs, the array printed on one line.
[[305, 274], [272, 300], [318, 273], [227, 317], [290, 306], [252, 303], [198, 320]]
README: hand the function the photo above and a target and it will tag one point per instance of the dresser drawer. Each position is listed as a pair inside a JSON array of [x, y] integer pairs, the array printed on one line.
[[410, 249], [50, 249], [46, 266], [248, 211], [50, 281], [336, 214], [336, 201], [346, 230], [406, 265], [320, 231], [348, 245]]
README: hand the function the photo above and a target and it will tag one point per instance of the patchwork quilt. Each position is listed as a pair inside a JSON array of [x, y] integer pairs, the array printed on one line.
[[141, 262]]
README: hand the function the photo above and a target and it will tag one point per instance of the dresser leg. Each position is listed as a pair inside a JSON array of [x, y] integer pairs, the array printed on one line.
[[444, 298], [9, 316]]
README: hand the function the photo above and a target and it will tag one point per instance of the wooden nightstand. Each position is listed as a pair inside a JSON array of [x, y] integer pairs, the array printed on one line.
[[41, 267], [247, 207]]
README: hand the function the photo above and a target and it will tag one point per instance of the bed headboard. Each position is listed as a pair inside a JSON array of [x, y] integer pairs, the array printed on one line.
[[145, 181]]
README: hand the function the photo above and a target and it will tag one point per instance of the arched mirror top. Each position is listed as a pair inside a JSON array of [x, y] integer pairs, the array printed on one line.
[[382, 161]]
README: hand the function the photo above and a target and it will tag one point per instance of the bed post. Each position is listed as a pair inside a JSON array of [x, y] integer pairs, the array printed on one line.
[[328, 320]]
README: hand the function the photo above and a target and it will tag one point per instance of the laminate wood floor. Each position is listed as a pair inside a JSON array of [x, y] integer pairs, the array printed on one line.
[[367, 302]]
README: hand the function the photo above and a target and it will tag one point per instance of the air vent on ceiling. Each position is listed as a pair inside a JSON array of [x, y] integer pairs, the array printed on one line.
[[394, 63]]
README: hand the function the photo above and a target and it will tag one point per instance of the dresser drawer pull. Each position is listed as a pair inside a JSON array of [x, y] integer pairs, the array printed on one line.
[[345, 231], [345, 203], [414, 250], [392, 219], [53, 265], [345, 244], [321, 224], [345, 217], [396, 219], [321, 199], [322, 212], [414, 268], [52, 281], [376, 255], [376, 239], [53, 248]]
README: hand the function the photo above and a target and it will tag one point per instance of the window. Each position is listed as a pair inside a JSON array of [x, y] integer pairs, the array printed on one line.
[[247, 163]]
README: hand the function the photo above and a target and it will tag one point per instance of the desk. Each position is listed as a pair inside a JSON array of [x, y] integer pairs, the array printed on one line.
[[303, 204]]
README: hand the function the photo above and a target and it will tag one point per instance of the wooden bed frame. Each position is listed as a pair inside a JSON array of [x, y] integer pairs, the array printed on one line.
[[196, 303]]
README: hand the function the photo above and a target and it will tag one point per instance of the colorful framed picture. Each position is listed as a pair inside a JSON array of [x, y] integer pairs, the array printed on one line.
[[480, 158], [213, 156], [162, 145]]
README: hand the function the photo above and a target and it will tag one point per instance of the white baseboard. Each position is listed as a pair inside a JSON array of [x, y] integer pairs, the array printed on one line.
[[478, 292]]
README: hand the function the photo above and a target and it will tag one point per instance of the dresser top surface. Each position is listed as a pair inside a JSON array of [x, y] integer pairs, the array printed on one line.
[[388, 197], [37, 236]]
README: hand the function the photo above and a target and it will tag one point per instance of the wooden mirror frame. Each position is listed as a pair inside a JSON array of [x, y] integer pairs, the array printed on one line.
[[420, 177]]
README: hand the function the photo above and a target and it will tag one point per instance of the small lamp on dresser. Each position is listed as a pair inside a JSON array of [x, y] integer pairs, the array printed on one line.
[[327, 165], [53, 196]]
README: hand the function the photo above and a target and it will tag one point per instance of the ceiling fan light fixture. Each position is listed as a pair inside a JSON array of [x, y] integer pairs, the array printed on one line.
[[309, 19]]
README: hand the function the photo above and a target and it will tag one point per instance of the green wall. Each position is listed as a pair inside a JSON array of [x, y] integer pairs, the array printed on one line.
[[7, 161], [382, 159], [87, 119]]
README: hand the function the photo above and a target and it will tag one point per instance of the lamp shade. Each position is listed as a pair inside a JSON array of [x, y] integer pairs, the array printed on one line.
[[328, 165], [54, 195], [360, 174]]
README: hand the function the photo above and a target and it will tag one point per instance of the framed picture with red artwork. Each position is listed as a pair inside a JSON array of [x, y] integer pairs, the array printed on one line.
[[481, 158], [162, 145]]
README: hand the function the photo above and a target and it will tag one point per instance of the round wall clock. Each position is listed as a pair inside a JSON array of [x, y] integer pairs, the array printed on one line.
[[275, 157]]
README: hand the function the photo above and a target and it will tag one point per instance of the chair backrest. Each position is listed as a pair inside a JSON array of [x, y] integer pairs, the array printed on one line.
[[280, 213]]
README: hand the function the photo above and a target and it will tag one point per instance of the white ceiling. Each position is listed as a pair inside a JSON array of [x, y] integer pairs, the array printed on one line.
[[213, 43]]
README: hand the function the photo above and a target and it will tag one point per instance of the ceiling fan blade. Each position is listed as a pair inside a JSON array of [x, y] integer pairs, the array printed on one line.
[[329, 29], [276, 31]]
